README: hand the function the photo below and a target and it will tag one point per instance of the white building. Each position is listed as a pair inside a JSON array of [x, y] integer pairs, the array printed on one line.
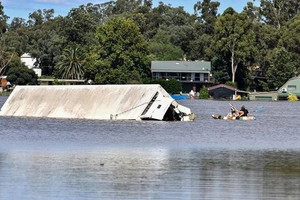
[[30, 63]]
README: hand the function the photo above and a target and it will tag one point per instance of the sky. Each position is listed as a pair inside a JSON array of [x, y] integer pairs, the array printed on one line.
[[22, 8]]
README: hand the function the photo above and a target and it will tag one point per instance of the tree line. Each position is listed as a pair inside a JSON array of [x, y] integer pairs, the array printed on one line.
[[115, 42]]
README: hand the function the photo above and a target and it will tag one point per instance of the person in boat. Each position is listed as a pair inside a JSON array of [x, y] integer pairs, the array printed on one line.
[[243, 111], [238, 113], [234, 111]]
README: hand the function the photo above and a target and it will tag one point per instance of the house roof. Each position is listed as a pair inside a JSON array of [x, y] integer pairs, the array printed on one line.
[[181, 66], [220, 86], [226, 86]]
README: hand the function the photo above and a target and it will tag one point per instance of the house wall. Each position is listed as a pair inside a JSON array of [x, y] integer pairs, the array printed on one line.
[[221, 93], [28, 60], [193, 75], [292, 86]]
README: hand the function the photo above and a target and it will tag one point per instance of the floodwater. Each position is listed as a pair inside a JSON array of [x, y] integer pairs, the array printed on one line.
[[205, 159]]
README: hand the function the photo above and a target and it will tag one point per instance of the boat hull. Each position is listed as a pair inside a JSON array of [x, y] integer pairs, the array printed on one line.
[[233, 118]]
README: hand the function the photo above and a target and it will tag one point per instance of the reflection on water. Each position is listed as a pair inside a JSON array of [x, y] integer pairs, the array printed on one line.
[[151, 174], [205, 159]]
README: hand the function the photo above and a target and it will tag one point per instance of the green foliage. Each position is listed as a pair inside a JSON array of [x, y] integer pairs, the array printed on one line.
[[234, 37], [131, 33], [276, 13], [120, 50], [70, 64], [3, 19], [203, 94], [21, 75], [281, 69], [208, 11], [172, 86], [231, 84], [162, 48]]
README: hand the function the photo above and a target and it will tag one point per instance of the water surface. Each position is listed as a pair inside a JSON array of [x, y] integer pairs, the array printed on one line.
[[205, 159]]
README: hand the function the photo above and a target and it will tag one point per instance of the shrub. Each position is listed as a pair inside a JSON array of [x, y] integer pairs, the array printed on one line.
[[230, 83], [172, 86], [203, 94]]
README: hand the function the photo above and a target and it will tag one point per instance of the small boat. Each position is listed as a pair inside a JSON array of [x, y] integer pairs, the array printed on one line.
[[229, 117]]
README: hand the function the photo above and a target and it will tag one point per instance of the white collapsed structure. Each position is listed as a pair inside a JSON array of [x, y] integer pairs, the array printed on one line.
[[102, 102]]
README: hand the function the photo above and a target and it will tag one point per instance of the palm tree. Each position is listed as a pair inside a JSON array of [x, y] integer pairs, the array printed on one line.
[[70, 64]]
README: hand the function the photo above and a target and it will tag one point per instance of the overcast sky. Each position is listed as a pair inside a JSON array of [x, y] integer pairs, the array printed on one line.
[[22, 8]]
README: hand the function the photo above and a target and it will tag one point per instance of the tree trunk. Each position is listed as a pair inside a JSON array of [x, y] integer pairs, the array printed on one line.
[[233, 66]]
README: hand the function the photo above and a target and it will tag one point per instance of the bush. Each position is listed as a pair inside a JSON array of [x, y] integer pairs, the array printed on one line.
[[230, 83], [21, 76], [172, 86], [203, 94]]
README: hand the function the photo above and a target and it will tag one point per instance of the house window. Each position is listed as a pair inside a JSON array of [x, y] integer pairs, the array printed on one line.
[[197, 76], [173, 75], [205, 77], [291, 87], [156, 75], [183, 77]]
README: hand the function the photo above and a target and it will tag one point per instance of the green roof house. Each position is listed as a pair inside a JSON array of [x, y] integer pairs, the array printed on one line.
[[292, 86], [192, 74]]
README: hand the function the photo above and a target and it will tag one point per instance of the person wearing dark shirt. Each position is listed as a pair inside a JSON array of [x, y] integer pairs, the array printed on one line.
[[243, 111]]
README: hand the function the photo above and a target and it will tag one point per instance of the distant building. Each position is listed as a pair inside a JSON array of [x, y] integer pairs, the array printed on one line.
[[192, 74], [31, 63], [223, 91], [292, 86]]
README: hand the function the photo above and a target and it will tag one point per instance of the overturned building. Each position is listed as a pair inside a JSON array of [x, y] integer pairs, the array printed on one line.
[[102, 102]]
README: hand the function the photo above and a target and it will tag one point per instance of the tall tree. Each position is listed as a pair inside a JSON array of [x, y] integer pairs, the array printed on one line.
[[207, 11], [120, 51], [163, 49], [234, 35], [3, 20], [277, 12], [290, 39], [281, 69]]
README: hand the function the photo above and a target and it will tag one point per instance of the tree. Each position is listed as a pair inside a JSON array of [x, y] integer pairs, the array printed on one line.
[[19, 74], [17, 23], [6, 55], [120, 51], [277, 12], [290, 40], [208, 13], [234, 35], [79, 26], [281, 69], [70, 64], [163, 49], [3, 19]]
